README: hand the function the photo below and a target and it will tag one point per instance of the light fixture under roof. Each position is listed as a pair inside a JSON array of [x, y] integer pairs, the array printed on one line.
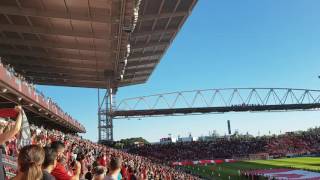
[[4, 90]]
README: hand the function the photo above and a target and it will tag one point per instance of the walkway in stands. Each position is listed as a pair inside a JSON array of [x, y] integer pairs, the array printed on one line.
[[219, 101]]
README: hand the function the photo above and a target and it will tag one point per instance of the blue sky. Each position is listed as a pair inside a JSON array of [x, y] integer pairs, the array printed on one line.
[[229, 43]]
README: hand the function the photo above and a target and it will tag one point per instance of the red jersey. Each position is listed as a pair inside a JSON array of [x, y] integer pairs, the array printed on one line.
[[61, 173], [103, 161]]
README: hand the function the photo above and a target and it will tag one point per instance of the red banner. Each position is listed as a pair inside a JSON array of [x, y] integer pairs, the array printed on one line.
[[8, 113]]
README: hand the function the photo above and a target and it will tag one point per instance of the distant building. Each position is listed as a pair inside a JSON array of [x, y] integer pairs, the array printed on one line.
[[206, 138], [213, 138], [190, 138], [167, 140]]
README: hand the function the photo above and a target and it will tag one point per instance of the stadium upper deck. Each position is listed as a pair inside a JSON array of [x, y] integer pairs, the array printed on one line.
[[39, 109], [89, 43]]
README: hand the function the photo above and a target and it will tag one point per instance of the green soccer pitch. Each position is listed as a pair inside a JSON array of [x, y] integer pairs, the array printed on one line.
[[227, 171]]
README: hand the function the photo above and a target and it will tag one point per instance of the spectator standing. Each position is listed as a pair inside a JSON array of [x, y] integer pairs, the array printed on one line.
[[30, 161], [5, 136], [114, 169], [60, 172], [99, 173], [88, 175], [50, 162]]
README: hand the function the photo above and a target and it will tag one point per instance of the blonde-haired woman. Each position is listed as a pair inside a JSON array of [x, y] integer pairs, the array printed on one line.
[[30, 162]]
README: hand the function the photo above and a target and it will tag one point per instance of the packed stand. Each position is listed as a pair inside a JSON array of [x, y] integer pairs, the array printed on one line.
[[289, 144], [55, 155], [200, 150], [298, 143]]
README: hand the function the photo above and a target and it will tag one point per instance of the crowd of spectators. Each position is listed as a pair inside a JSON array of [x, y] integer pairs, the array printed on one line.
[[294, 143], [200, 150], [55, 155], [68, 156], [288, 144], [12, 71]]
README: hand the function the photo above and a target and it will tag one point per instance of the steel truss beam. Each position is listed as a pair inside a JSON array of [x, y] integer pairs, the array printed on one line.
[[219, 101]]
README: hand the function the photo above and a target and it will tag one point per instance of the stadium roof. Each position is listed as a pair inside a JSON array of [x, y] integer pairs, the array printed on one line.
[[89, 43]]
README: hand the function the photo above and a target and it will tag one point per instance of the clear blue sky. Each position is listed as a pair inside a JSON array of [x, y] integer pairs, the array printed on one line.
[[229, 43]]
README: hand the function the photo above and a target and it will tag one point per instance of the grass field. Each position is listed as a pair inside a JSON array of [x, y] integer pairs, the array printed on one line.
[[223, 171]]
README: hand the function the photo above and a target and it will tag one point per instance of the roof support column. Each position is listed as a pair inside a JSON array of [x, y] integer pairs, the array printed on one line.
[[106, 104]]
